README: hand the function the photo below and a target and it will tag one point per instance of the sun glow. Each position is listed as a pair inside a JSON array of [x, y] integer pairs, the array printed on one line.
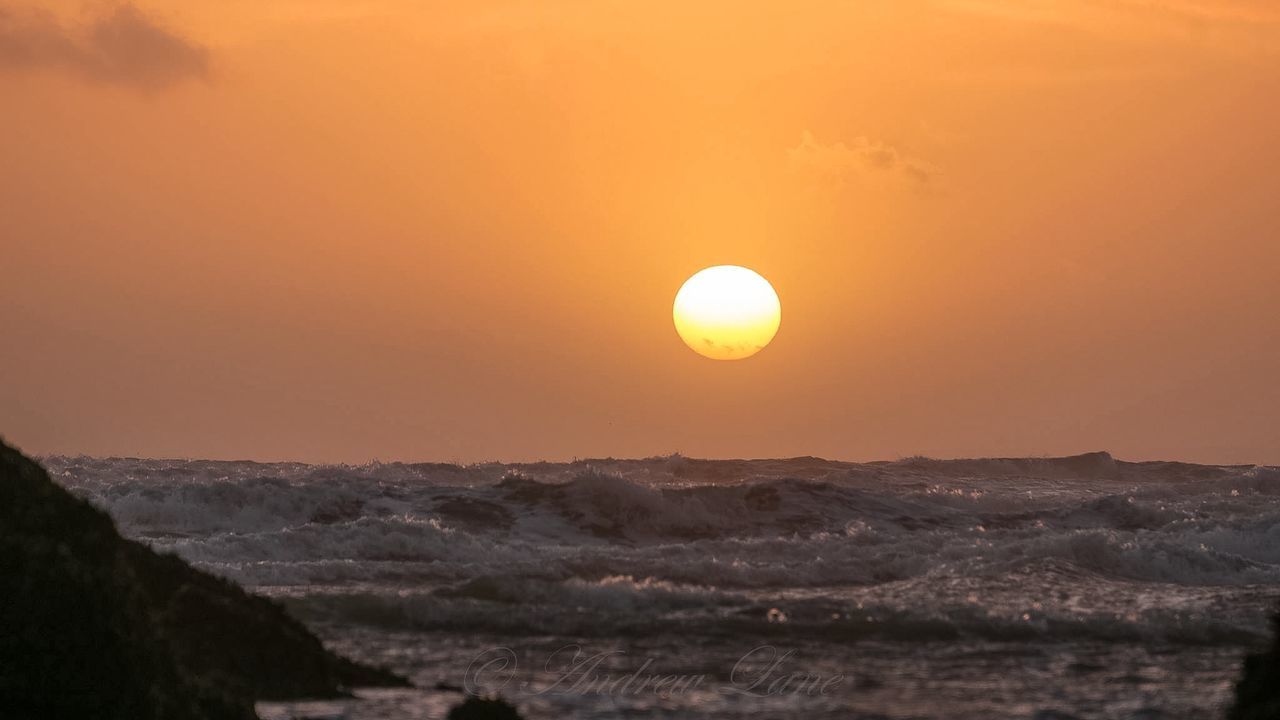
[[727, 312]]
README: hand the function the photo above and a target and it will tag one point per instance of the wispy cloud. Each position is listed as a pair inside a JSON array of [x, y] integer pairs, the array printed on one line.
[[123, 47], [838, 160]]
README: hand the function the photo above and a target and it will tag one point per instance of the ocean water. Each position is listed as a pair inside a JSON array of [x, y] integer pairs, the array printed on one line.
[[670, 587]]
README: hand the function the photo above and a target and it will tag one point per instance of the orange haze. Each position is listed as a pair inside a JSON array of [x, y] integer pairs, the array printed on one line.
[[340, 230]]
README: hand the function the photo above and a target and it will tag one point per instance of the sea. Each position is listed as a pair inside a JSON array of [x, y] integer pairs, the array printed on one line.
[[670, 587]]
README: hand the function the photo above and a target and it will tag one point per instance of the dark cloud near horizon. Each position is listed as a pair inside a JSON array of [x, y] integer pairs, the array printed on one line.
[[123, 47]]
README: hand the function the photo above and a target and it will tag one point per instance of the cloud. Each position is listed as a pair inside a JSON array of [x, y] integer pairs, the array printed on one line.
[[123, 47], [839, 161]]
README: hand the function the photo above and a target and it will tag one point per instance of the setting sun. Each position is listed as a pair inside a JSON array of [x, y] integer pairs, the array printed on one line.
[[336, 379], [727, 312]]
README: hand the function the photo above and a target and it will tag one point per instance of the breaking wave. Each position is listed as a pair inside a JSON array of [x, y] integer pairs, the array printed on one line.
[[1078, 547]]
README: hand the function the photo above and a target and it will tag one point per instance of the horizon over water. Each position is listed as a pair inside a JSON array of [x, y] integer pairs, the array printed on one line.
[[675, 455], [1013, 588]]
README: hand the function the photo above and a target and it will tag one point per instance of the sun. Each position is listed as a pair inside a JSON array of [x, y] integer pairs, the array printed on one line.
[[727, 312]]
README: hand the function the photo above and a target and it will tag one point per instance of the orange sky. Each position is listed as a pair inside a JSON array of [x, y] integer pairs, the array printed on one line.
[[342, 230]]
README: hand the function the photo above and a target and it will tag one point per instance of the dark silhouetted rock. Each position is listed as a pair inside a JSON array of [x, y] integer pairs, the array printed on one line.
[[476, 708], [1258, 692], [96, 626]]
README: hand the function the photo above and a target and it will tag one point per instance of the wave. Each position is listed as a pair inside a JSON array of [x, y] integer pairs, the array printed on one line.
[[1187, 553], [622, 606]]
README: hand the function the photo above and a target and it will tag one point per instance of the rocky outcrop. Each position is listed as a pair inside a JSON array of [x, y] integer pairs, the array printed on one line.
[[1258, 691], [478, 708], [95, 625]]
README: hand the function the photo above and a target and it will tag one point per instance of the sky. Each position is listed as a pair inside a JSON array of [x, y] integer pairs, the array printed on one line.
[[344, 230]]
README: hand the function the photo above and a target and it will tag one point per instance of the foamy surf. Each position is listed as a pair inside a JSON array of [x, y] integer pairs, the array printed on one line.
[[1108, 559]]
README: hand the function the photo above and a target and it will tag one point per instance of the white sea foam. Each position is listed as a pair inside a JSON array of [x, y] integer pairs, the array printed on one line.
[[915, 549]]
